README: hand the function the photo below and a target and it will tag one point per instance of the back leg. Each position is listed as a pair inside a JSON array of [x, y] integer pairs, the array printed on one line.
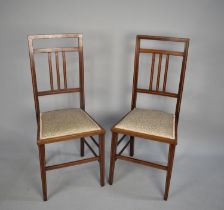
[[132, 144], [82, 147]]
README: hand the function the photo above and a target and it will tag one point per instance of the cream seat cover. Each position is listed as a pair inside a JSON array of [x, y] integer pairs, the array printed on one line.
[[150, 122], [65, 122]]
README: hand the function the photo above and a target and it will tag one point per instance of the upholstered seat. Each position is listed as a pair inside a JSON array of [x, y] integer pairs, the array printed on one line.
[[65, 122], [149, 122]]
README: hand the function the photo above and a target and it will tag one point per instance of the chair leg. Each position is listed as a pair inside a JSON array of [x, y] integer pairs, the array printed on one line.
[[169, 170], [82, 147], [102, 159], [113, 156], [132, 143], [42, 170]]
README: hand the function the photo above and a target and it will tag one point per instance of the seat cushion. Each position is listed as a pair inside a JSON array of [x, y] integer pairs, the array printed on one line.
[[149, 122], [65, 122]]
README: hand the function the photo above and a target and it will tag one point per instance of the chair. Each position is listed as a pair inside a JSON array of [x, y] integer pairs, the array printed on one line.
[[65, 124], [151, 124]]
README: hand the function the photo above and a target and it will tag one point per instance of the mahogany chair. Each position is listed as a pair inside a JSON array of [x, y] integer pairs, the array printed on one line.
[[65, 124], [151, 124]]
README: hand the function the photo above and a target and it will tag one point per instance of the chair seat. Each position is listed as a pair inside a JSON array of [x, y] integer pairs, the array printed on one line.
[[65, 122], [151, 122]]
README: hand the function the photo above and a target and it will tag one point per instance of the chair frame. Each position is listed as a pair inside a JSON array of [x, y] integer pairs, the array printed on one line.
[[41, 142], [178, 96]]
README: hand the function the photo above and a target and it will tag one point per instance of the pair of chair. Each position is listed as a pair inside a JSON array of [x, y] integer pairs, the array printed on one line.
[[76, 123]]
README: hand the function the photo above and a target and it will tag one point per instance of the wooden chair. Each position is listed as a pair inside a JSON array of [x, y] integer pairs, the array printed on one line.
[[65, 124], [150, 124]]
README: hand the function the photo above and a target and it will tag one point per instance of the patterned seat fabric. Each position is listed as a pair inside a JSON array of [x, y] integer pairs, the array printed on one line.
[[65, 122], [150, 122]]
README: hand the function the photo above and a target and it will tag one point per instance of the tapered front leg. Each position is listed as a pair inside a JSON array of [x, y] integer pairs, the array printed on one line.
[[102, 159], [82, 147], [113, 156], [132, 144], [169, 170], [42, 170]]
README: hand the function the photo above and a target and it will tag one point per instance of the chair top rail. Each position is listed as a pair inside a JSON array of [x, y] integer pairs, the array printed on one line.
[[162, 38], [50, 36]]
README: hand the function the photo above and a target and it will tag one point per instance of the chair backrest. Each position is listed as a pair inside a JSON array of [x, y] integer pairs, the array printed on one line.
[[167, 53], [59, 51]]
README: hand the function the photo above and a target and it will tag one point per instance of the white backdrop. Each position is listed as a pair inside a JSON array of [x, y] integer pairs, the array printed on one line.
[[109, 29]]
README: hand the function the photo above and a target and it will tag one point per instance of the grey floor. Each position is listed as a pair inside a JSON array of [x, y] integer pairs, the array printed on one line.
[[197, 181]]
